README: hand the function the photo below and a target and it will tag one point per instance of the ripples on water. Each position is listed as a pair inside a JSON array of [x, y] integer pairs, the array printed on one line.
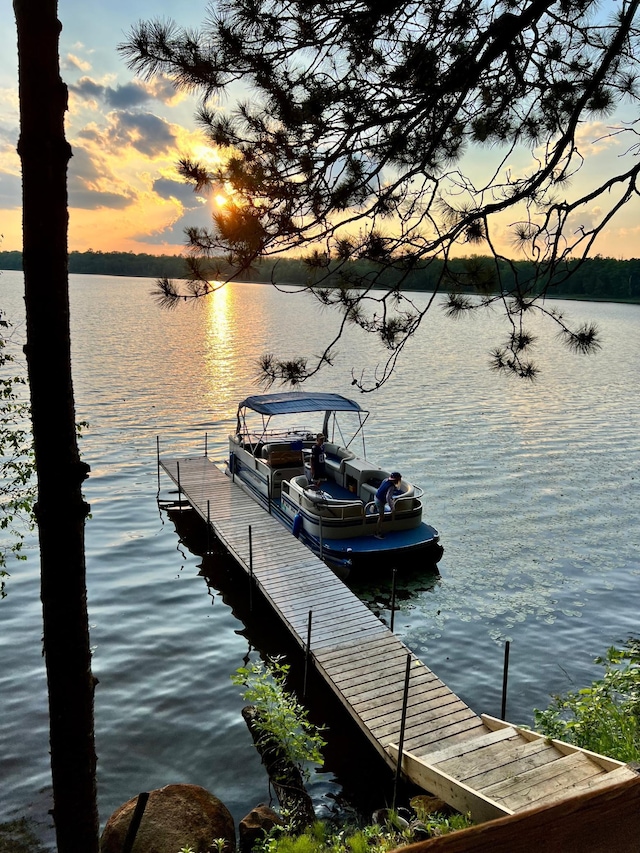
[[534, 489]]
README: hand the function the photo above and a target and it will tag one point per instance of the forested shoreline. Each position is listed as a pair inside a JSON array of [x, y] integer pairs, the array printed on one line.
[[597, 278]]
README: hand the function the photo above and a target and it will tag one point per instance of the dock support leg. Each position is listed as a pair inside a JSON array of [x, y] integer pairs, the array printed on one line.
[[393, 599], [208, 526], [403, 721], [306, 655], [158, 459], [505, 677], [250, 572]]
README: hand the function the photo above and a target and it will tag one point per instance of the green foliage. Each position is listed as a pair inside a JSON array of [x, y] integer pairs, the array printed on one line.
[[374, 838], [437, 823], [280, 715], [217, 844], [17, 464], [604, 717], [17, 460]]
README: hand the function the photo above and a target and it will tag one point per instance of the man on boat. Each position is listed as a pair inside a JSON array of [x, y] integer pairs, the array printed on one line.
[[318, 469], [385, 495]]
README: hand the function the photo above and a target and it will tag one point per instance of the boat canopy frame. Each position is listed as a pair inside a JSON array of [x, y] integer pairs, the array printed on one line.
[[299, 402]]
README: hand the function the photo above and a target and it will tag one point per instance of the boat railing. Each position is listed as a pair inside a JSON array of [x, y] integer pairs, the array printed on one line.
[[401, 504], [321, 503], [340, 510], [255, 443], [275, 434]]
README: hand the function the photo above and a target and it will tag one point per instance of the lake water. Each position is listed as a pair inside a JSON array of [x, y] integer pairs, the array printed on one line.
[[534, 488]]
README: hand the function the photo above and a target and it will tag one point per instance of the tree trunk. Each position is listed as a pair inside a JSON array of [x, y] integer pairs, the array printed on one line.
[[60, 508]]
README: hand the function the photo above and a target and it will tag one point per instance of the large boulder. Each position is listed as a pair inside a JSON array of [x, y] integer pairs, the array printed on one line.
[[175, 816], [256, 826]]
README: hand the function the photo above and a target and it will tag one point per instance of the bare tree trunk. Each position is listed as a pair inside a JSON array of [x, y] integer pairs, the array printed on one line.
[[60, 509]]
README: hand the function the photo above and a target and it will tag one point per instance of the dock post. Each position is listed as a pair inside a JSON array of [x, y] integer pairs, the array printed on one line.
[[158, 459], [205, 444], [208, 526], [136, 819], [403, 721], [306, 655], [393, 598], [250, 572], [179, 486], [505, 676]]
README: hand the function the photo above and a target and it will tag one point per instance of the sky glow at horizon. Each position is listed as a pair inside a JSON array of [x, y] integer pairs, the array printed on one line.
[[127, 134]]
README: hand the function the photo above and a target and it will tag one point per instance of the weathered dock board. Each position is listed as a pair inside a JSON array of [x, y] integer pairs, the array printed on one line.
[[477, 764]]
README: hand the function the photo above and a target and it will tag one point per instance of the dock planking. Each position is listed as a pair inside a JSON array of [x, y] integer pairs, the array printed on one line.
[[475, 763]]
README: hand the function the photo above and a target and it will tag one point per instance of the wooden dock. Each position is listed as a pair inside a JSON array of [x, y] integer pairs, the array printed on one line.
[[477, 764]]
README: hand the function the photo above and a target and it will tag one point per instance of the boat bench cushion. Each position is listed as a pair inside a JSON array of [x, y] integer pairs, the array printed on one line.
[[336, 455], [367, 492]]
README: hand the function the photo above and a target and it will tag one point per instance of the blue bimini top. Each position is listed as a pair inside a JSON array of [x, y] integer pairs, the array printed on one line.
[[290, 402]]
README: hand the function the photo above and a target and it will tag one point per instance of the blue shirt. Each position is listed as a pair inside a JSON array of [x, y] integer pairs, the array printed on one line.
[[385, 491]]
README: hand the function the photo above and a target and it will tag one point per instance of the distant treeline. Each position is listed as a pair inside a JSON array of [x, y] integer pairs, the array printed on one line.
[[595, 278], [111, 263]]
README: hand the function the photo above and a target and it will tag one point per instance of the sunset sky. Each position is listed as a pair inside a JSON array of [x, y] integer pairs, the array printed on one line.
[[126, 136]]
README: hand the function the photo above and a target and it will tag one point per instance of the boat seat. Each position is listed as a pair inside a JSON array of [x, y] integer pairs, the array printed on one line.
[[335, 456], [301, 481], [282, 455]]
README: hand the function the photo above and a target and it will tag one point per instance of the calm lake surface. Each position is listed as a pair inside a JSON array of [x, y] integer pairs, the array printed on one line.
[[535, 490]]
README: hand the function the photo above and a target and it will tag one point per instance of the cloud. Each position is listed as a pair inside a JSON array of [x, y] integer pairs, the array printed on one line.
[[127, 95], [146, 132], [173, 233], [10, 191], [162, 89], [168, 188], [85, 198], [130, 161], [148, 221], [596, 137], [86, 185], [87, 89], [9, 116], [82, 166], [72, 61], [583, 219]]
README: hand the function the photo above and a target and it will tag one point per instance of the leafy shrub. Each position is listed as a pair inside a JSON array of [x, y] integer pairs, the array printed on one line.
[[604, 717], [280, 715], [375, 838]]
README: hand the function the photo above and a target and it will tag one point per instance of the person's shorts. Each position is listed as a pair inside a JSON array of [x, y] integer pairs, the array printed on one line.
[[380, 505]]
